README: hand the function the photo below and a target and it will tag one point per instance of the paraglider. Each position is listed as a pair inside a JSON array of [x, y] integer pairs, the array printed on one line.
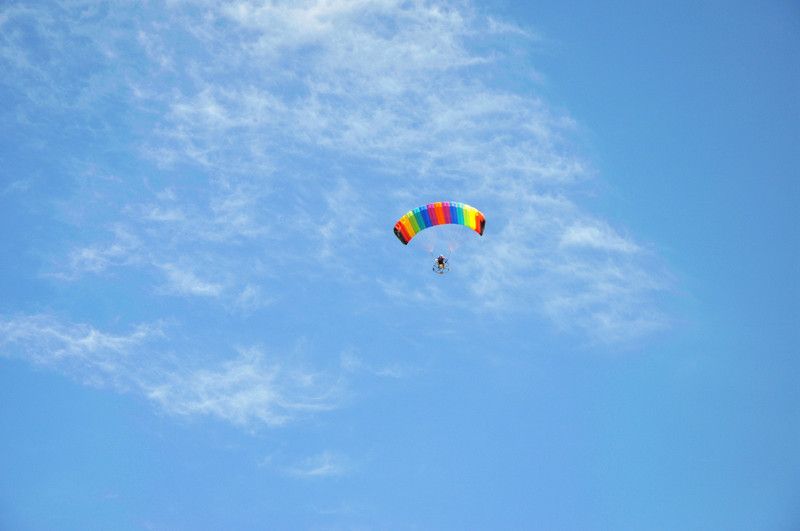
[[440, 265], [435, 214]]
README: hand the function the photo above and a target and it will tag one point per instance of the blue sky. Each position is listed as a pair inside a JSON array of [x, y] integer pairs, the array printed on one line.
[[207, 323]]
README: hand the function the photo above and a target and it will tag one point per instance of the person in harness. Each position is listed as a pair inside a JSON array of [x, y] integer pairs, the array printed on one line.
[[441, 263]]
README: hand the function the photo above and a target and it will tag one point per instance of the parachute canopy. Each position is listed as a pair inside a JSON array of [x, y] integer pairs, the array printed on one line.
[[440, 213]]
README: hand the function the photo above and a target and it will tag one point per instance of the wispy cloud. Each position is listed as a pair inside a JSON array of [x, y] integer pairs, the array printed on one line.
[[352, 363], [416, 117], [191, 242], [184, 281], [577, 271], [299, 115], [90, 355], [606, 298], [596, 236], [251, 298], [248, 390], [325, 464], [122, 250]]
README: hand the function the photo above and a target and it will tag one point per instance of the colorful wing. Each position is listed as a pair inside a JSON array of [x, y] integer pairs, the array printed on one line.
[[440, 213]]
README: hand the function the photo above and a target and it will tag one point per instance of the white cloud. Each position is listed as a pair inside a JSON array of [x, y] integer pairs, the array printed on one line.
[[606, 299], [48, 340], [190, 241], [352, 363], [185, 282], [123, 250], [249, 390], [245, 391], [325, 464], [502, 26], [597, 236], [92, 356], [380, 102], [344, 224], [251, 298]]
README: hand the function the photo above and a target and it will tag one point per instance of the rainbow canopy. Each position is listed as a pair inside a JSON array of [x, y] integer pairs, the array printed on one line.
[[440, 213]]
